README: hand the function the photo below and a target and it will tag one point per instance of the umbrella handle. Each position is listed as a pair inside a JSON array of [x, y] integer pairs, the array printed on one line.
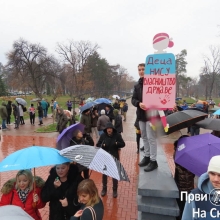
[[34, 204]]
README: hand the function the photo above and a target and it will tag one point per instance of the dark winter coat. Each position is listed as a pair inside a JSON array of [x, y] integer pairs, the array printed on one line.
[[136, 124], [86, 120], [184, 178], [3, 111], [16, 112], [62, 120], [94, 118], [116, 105], [110, 114], [112, 143], [40, 111], [9, 108], [118, 121], [87, 215], [11, 197], [125, 107], [67, 190], [137, 98]]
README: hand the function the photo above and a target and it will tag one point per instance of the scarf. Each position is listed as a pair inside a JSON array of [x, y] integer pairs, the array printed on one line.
[[23, 194]]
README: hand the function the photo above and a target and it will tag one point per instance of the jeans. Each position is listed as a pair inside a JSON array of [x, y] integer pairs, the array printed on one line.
[[45, 113], [4, 123], [40, 119], [149, 138]]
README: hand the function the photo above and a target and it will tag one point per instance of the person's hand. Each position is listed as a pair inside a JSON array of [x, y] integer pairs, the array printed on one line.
[[57, 183], [142, 106], [78, 214], [116, 142], [35, 197], [64, 202]]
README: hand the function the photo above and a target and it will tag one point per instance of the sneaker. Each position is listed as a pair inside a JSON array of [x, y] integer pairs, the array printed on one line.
[[4, 129]]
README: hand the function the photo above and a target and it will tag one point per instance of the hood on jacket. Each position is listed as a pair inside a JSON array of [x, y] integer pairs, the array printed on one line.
[[4, 103], [110, 125], [72, 174], [61, 111], [9, 185], [204, 183], [115, 112]]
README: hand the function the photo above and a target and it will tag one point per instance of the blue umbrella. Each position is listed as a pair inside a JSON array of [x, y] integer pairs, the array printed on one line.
[[88, 105], [103, 100], [32, 157], [63, 140], [217, 112]]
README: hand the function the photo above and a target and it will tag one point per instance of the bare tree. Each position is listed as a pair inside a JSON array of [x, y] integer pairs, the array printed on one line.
[[211, 69], [29, 61], [76, 55]]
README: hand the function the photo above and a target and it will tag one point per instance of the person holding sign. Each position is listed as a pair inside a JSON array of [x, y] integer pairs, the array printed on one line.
[[147, 133]]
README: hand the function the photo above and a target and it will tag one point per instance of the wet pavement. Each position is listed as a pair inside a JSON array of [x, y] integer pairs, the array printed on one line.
[[124, 207]]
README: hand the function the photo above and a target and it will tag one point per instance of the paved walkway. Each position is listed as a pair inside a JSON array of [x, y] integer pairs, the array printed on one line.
[[124, 207]]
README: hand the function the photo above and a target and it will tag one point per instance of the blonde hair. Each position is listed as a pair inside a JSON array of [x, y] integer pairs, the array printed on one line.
[[29, 176], [88, 187]]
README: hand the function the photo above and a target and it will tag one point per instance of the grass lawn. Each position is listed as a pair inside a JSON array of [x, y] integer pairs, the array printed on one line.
[[47, 128]]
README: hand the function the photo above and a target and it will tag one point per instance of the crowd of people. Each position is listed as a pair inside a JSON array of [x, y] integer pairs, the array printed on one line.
[[68, 189], [70, 192]]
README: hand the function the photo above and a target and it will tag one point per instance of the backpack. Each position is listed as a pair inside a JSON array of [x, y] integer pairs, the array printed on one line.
[[125, 108], [24, 108]]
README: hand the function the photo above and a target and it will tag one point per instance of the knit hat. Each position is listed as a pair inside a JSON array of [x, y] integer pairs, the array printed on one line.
[[102, 112], [214, 164]]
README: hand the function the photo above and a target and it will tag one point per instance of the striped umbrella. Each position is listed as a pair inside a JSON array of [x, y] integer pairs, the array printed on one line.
[[96, 159]]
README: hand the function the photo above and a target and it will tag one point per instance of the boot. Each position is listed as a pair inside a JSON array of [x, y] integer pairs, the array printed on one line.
[[151, 166], [145, 161], [104, 191], [115, 193]]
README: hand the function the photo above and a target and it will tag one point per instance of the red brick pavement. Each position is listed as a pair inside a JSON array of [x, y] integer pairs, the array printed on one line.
[[124, 207]]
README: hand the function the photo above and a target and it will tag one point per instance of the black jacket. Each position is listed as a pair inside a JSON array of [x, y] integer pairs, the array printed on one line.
[[112, 143], [67, 190], [110, 113], [40, 111], [9, 108], [137, 98], [118, 123]]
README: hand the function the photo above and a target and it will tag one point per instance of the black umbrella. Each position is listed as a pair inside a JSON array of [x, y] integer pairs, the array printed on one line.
[[96, 159], [210, 123], [184, 119]]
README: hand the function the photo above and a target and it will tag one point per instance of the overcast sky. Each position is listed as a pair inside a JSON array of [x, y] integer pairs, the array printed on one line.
[[123, 29]]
